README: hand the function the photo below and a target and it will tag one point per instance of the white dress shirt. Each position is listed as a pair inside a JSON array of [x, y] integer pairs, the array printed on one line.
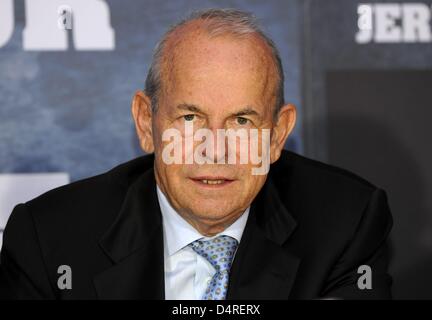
[[187, 274]]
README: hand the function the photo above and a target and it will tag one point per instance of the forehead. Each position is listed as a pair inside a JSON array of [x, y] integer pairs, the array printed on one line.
[[225, 67]]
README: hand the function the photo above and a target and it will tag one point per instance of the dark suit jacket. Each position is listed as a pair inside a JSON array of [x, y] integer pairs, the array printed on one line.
[[309, 229]]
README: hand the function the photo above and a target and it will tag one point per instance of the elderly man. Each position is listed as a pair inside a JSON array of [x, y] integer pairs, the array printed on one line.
[[204, 225]]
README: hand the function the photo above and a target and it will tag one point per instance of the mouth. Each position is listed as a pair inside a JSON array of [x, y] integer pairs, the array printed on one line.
[[212, 181]]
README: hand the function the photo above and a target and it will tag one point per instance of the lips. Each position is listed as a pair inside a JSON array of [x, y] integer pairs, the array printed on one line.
[[212, 181]]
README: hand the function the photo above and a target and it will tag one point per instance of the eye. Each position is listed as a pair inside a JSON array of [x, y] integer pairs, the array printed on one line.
[[189, 117], [242, 121]]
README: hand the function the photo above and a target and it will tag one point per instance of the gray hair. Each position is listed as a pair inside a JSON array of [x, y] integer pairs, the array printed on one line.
[[216, 22]]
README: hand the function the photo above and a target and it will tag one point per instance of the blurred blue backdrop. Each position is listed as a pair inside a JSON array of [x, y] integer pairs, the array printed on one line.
[[69, 111]]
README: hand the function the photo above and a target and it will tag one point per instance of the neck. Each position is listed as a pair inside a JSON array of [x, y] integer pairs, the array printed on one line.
[[209, 227]]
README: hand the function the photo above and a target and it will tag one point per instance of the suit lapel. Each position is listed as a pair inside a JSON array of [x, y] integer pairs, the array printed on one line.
[[262, 267], [134, 243]]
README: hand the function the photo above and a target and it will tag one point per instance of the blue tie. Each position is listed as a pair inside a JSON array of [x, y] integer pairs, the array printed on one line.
[[219, 252]]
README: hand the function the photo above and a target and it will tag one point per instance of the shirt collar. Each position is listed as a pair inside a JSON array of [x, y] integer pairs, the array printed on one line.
[[178, 233]]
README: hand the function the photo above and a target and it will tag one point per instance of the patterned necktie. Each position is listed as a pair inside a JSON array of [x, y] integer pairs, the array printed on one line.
[[219, 252]]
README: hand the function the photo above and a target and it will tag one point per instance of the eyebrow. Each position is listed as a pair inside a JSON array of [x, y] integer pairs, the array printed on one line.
[[189, 107], [247, 111]]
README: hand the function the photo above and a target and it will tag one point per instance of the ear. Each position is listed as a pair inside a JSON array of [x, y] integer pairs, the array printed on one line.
[[142, 115], [285, 123]]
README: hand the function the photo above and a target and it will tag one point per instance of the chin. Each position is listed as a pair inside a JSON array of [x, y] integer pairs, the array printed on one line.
[[212, 212]]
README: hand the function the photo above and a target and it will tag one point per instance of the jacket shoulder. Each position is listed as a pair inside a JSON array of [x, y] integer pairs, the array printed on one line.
[[89, 203], [120, 176], [302, 170], [315, 192]]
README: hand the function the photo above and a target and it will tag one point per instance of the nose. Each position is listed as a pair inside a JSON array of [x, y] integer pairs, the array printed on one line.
[[217, 151]]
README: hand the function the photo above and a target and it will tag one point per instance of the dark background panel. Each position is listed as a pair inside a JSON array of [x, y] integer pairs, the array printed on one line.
[[379, 126], [329, 43], [367, 108]]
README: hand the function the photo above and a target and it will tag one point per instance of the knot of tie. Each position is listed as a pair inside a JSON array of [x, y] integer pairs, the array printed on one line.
[[219, 252]]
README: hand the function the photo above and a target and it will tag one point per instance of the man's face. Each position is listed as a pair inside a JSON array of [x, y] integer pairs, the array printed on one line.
[[219, 83]]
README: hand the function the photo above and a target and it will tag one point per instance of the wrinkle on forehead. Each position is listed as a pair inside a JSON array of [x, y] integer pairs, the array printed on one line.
[[191, 43]]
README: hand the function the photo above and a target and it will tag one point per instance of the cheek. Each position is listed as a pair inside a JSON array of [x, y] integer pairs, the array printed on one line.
[[173, 173], [170, 174], [257, 181], [251, 184]]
